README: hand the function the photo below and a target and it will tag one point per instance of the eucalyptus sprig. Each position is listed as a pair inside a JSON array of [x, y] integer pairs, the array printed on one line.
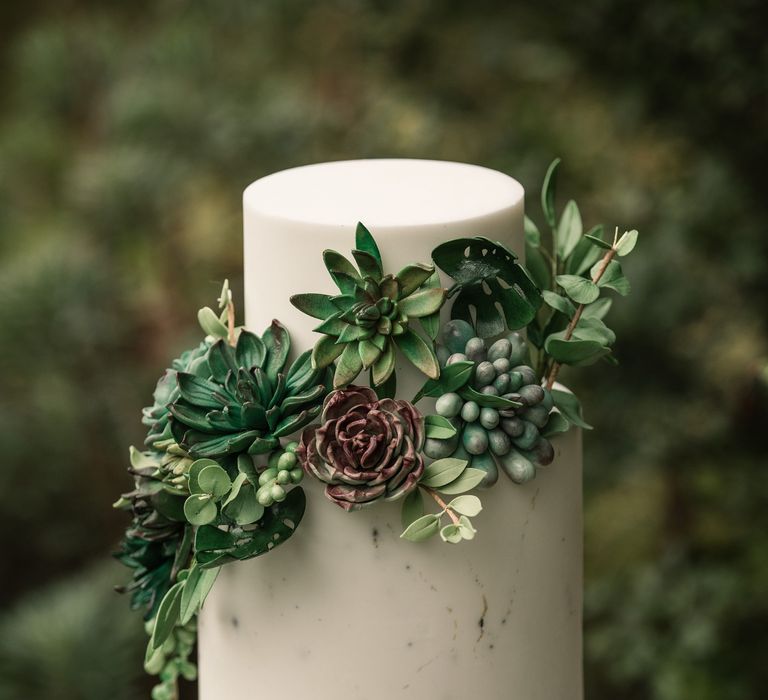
[[444, 477], [574, 269]]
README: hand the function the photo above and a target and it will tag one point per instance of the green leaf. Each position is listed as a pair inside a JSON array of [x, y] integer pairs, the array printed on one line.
[[537, 266], [626, 243], [570, 407], [574, 351], [200, 509], [422, 529], [209, 537], [368, 264], [315, 305], [451, 378], [491, 285], [442, 472], [342, 271], [142, 460], [469, 393], [581, 290], [613, 278], [411, 277], [585, 254], [199, 392], [418, 353], [431, 323], [244, 509], [237, 484], [250, 350], [348, 366], [597, 309], [594, 329], [466, 528], [438, 428], [559, 303], [351, 333], [466, 505], [210, 323], [384, 367], [548, 193], [278, 345], [214, 481], [196, 588], [413, 508], [451, 533], [470, 478], [569, 230], [194, 471], [364, 240], [532, 235], [422, 303], [325, 352], [556, 423], [167, 616], [597, 239]]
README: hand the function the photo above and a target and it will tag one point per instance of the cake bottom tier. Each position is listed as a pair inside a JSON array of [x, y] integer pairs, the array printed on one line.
[[346, 610]]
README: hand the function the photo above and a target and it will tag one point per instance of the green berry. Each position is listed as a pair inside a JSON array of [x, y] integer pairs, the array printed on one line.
[[470, 412], [486, 463], [517, 467], [502, 365], [292, 446], [499, 442], [515, 380], [287, 460], [284, 477], [456, 334], [297, 475], [513, 427], [456, 357], [529, 376], [489, 418], [475, 349], [538, 415], [529, 437], [264, 497], [277, 492], [501, 383], [531, 394], [449, 405], [475, 439], [437, 449], [443, 353], [489, 390], [500, 350], [542, 452], [267, 476], [485, 373]]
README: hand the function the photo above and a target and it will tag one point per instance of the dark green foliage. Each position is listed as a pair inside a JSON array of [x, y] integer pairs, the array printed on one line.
[[251, 399]]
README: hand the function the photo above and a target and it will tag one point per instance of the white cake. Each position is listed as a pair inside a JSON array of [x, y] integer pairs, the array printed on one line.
[[346, 610]]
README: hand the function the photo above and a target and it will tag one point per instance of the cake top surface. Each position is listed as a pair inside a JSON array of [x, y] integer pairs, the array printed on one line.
[[383, 192]]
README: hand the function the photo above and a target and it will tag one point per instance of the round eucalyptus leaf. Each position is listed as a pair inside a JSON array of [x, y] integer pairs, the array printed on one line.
[[200, 510], [214, 481]]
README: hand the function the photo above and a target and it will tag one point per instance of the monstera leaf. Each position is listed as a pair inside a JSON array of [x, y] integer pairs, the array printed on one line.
[[487, 277]]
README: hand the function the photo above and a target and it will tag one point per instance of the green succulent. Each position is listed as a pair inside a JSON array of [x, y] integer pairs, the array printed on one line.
[[250, 400], [362, 326]]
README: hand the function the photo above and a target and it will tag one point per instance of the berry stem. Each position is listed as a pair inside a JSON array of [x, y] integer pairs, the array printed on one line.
[[609, 255], [454, 518]]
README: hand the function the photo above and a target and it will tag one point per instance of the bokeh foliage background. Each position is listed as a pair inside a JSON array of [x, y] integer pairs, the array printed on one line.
[[127, 133]]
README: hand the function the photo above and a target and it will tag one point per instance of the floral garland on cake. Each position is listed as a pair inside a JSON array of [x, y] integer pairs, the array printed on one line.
[[234, 426]]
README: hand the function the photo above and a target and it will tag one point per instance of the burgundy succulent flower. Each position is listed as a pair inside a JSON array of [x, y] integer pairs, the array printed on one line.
[[365, 449]]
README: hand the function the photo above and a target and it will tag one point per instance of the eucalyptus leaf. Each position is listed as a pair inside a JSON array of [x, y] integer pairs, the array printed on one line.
[[451, 378], [200, 509], [469, 479], [466, 505], [364, 240], [442, 472], [532, 234], [626, 243], [537, 266], [598, 241], [439, 428], [556, 423], [569, 230], [559, 303], [451, 533], [581, 290], [466, 528], [418, 353], [167, 616], [570, 407], [598, 309], [573, 351], [613, 278], [214, 480], [422, 529], [585, 254], [594, 329]]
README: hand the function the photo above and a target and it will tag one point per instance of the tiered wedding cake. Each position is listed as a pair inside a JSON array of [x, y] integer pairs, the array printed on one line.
[[346, 610]]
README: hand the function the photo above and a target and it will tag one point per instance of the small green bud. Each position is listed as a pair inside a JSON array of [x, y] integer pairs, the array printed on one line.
[[277, 493], [264, 497], [284, 477], [297, 475], [267, 476], [292, 447], [287, 461]]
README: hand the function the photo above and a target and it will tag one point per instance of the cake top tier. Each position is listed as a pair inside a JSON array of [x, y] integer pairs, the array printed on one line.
[[383, 192]]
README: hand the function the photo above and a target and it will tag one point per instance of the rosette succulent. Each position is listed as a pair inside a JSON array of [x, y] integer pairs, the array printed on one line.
[[365, 449], [498, 407], [373, 314], [250, 400]]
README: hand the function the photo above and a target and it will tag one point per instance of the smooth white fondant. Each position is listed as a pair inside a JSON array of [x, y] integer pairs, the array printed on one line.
[[346, 610]]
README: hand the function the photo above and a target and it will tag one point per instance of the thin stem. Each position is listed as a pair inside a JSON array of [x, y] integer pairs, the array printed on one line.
[[579, 311], [454, 518], [231, 322]]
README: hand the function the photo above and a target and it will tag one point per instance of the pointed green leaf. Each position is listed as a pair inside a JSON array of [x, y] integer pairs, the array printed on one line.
[[342, 271], [250, 350], [569, 230], [411, 277], [556, 424], [384, 367], [413, 508], [548, 193], [442, 472], [422, 303], [167, 616], [469, 479], [369, 266], [325, 352], [585, 254], [532, 235], [364, 240], [597, 239], [332, 326], [348, 366], [369, 353], [351, 333], [390, 288], [451, 378], [316, 305], [278, 345], [438, 427], [559, 303], [431, 323], [570, 407], [418, 353], [210, 323], [466, 505], [422, 529]]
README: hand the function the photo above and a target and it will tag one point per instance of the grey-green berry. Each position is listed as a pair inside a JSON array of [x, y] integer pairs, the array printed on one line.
[[475, 439], [486, 463], [437, 449], [485, 373], [515, 380], [542, 452], [500, 349], [490, 390], [517, 467], [513, 427], [449, 405], [531, 394], [538, 415], [499, 442], [502, 365], [456, 333], [529, 437], [529, 376], [489, 418], [456, 357], [470, 412], [501, 383], [475, 349]]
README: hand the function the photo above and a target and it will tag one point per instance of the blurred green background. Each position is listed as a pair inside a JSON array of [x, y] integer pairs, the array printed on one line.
[[127, 134]]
